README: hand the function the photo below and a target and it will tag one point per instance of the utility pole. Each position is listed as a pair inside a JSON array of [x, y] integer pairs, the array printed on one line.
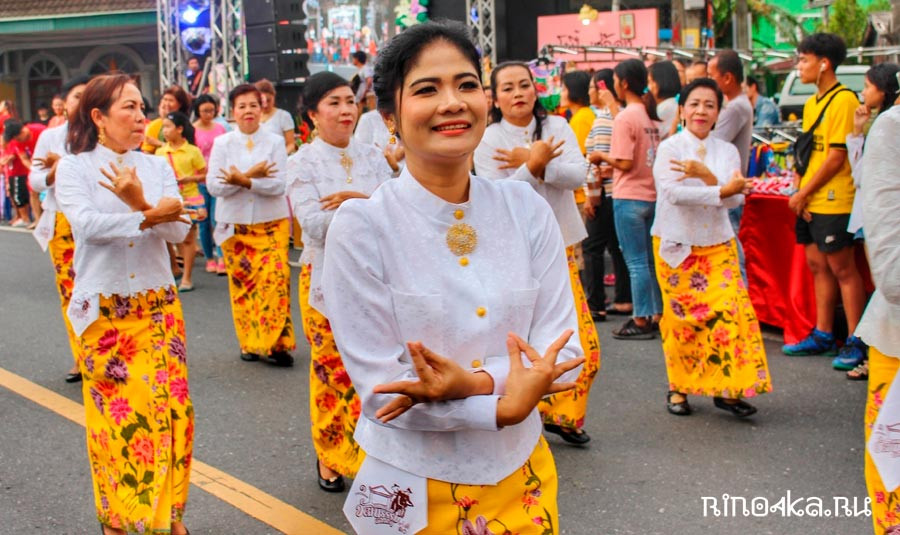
[[741, 25]]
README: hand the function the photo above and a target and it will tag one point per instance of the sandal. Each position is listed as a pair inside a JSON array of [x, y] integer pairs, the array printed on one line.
[[633, 331], [859, 373]]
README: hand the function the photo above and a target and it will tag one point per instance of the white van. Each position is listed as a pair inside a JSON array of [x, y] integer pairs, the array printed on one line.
[[795, 94]]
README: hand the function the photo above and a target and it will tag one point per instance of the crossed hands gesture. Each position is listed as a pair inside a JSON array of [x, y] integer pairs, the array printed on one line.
[[235, 177], [125, 184], [442, 379]]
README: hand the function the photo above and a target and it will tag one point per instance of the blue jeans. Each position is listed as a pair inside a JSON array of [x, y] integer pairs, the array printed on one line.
[[734, 215], [207, 226], [633, 222]]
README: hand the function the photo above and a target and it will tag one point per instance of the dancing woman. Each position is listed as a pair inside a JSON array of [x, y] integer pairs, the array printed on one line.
[[524, 144], [126, 313], [435, 287], [323, 174], [247, 177]]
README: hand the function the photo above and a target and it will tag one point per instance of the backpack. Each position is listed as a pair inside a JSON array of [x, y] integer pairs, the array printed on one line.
[[803, 147]]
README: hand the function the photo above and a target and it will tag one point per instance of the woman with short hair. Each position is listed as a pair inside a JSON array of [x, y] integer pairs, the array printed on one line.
[[247, 175]]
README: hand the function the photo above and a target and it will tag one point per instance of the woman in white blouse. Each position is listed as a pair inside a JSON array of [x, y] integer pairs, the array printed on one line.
[[435, 286], [273, 119], [123, 207], [247, 175], [53, 231], [710, 333], [322, 175], [524, 144]]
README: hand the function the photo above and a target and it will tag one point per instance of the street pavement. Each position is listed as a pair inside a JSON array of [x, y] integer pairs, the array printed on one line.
[[644, 472]]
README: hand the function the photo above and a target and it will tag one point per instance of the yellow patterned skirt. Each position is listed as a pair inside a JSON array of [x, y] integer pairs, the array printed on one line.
[[523, 503], [334, 406], [567, 409], [259, 281], [139, 416], [710, 334], [885, 505], [62, 251]]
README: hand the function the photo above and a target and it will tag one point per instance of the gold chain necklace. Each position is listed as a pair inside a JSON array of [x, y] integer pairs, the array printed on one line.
[[347, 164], [701, 151]]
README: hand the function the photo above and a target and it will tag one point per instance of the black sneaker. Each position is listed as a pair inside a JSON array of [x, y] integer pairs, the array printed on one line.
[[633, 331]]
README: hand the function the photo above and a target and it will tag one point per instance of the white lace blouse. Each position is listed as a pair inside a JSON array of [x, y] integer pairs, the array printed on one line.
[[52, 140], [390, 278], [265, 200], [316, 171], [562, 176], [113, 256], [688, 212]]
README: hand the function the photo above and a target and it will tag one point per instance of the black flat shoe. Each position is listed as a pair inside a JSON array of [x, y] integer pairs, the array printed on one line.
[[335, 484], [632, 331], [570, 436], [282, 359], [73, 377], [598, 316], [682, 408], [741, 409], [249, 357]]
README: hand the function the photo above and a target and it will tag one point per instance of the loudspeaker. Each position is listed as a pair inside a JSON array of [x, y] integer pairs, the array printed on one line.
[[272, 11], [269, 38], [278, 67]]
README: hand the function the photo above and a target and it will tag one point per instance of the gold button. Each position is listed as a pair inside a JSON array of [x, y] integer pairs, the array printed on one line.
[[459, 214], [464, 261], [481, 311], [476, 363], [131, 276], [131, 244]]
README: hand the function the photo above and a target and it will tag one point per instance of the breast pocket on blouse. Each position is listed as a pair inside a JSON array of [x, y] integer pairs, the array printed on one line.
[[420, 317], [521, 308]]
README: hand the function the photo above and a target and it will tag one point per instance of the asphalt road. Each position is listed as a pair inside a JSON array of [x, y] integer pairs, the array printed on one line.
[[645, 472]]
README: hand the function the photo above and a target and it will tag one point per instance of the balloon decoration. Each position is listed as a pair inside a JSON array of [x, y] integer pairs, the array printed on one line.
[[411, 12]]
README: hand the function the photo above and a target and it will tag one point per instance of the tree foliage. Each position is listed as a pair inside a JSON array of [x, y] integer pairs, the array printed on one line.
[[847, 19]]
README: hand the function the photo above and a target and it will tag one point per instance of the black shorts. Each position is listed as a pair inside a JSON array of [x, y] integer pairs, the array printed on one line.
[[18, 190], [827, 231]]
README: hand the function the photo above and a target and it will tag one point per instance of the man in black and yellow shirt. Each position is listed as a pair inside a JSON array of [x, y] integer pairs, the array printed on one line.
[[824, 200]]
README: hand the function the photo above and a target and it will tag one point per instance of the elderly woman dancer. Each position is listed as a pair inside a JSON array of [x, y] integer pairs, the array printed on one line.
[[123, 207], [53, 231], [247, 175], [524, 144], [323, 174], [439, 262], [710, 334]]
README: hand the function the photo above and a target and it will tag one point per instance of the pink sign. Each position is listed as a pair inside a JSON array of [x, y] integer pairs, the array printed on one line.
[[635, 28]]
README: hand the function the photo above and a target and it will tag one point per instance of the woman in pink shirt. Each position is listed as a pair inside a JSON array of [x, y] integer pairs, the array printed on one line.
[[634, 141]]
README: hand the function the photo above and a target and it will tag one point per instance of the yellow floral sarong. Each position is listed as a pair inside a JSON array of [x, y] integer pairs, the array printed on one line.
[[259, 281], [567, 409], [523, 503], [334, 406], [139, 416], [710, 334], [62, 251], [885, 505]]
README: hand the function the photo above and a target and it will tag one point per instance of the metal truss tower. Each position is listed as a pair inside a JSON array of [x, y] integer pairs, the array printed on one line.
[[480, 19], [225, 66]]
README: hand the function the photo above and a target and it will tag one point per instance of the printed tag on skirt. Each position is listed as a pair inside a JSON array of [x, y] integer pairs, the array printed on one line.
[[43, 232], [385, 500], [884, 443]]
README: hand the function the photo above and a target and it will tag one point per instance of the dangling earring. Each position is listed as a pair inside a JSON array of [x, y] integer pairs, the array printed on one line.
[[315, 131], [393, 139], [101, 136]]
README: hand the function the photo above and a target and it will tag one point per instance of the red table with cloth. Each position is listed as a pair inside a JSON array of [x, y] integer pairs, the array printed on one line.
[[780, 283]]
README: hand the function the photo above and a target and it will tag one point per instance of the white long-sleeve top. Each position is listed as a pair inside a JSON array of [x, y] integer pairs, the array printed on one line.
[[563, 174], [52, 140], [113, 256], [389, 278], [315, 171], [880, 324], [371, 129], [688, 212], [265, 200], [855, 146]]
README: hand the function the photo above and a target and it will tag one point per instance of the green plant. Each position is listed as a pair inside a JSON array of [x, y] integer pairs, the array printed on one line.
[[847, 19]]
